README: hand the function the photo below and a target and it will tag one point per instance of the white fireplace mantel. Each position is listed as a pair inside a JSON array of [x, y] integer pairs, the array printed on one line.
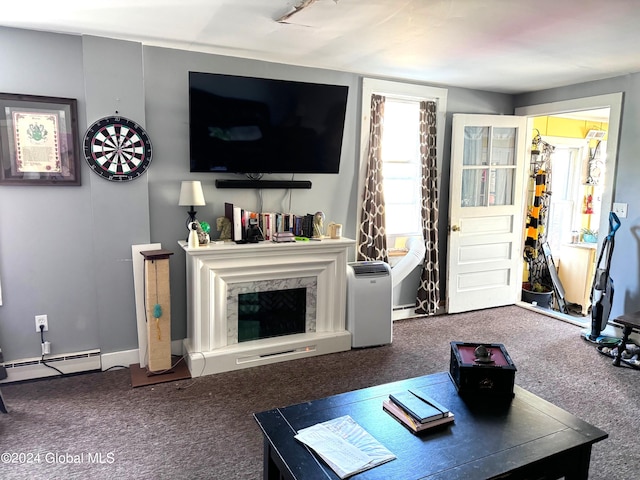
[[212, 272]]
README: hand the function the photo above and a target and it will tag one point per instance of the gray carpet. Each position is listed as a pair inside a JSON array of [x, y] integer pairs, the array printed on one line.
[[96, 426]]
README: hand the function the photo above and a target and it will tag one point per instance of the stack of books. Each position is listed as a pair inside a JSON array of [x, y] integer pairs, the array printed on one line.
[[416, 410], [280, 237], [267, 223]]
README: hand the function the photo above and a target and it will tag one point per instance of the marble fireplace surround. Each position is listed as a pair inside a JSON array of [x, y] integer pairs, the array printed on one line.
[[218, 270]]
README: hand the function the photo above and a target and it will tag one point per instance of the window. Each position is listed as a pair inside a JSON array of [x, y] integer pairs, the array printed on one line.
[[401, 169], [570, 188], [489, 167], [401, 151], [562, 209]]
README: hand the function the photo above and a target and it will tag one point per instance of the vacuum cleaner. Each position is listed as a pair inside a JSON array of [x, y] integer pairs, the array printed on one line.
[[602, 289]]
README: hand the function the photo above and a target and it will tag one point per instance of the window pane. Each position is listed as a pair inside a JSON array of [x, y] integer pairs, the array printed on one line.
[[560, 222], [400, 133], [503, 146], [401, 167], [400, 170], [402, 219], [560, 180], [565, 209], [400, 191], [474, 189], [501, 186], [475, 145], [402, 198]]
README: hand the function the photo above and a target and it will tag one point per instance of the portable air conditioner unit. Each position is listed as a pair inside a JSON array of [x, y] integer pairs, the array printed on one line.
[[369, 295]]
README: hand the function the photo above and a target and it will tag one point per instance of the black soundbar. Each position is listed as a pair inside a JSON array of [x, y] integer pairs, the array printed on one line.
[[263, 184]]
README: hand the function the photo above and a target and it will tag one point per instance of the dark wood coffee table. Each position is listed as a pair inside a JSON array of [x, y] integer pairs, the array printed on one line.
[[527, 437]]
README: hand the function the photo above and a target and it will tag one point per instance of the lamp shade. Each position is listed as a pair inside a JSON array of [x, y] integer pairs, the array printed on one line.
[[191, 194]]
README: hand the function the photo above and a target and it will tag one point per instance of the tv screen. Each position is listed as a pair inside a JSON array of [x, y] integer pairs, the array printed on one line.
[[258, 125]]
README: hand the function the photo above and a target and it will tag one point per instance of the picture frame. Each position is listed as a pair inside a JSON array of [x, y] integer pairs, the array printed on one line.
[[39, 142]]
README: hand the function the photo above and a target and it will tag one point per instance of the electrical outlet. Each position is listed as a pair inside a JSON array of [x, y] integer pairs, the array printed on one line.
[[620, 209], [42, 320]]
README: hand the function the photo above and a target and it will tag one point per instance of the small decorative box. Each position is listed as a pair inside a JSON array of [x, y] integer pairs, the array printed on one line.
[[482, 369]]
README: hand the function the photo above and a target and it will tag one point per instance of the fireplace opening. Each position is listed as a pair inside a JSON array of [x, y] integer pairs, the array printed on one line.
[[271, 313]]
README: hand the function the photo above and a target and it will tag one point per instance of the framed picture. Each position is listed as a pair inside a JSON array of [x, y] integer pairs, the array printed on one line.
[[39, 142]]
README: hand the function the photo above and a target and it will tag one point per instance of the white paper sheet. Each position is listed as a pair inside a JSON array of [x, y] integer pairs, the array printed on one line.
[[345, 446]]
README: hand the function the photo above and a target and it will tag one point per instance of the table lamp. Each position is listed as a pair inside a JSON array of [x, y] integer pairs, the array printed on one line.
[[191, 196]]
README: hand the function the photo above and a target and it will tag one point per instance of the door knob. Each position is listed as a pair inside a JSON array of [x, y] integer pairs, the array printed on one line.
[[455, 228]]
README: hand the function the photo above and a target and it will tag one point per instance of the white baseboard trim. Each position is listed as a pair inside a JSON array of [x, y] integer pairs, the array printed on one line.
[[124, 358], [409, 311], [402, 313]]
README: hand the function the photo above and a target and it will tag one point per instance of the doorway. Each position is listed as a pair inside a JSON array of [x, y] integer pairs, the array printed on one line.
[[579, 257], [486, 201]]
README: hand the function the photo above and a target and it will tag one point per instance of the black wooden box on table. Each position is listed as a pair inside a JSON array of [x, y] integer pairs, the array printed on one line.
[[482, 370]]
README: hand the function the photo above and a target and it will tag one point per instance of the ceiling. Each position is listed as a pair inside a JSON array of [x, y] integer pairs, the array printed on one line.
[[509, 46]]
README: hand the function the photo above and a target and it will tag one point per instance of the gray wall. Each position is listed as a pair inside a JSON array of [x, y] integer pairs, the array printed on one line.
[[120, 212], [167, 103], [625, 264], [46, 233], [66, 251]]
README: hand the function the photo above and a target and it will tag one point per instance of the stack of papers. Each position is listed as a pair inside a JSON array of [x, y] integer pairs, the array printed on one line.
[[345, 446]]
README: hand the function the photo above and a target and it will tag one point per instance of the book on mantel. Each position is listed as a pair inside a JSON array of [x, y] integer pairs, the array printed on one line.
[[417, 410]]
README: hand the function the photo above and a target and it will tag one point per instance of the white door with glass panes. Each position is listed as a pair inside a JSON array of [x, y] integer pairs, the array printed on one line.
[[486, 221]]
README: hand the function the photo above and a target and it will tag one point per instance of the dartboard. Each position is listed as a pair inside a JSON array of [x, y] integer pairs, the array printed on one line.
[[117, 149]]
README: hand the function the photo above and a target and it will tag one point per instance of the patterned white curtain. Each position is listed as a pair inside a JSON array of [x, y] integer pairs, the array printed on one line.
[[428, 296], [372, 239]]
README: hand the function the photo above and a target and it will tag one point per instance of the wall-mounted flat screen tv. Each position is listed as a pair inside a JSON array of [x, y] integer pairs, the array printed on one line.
[[258, 125]]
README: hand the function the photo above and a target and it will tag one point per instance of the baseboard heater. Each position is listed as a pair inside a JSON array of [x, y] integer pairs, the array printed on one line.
[[259, 184], [32, 368], [292, 351]]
